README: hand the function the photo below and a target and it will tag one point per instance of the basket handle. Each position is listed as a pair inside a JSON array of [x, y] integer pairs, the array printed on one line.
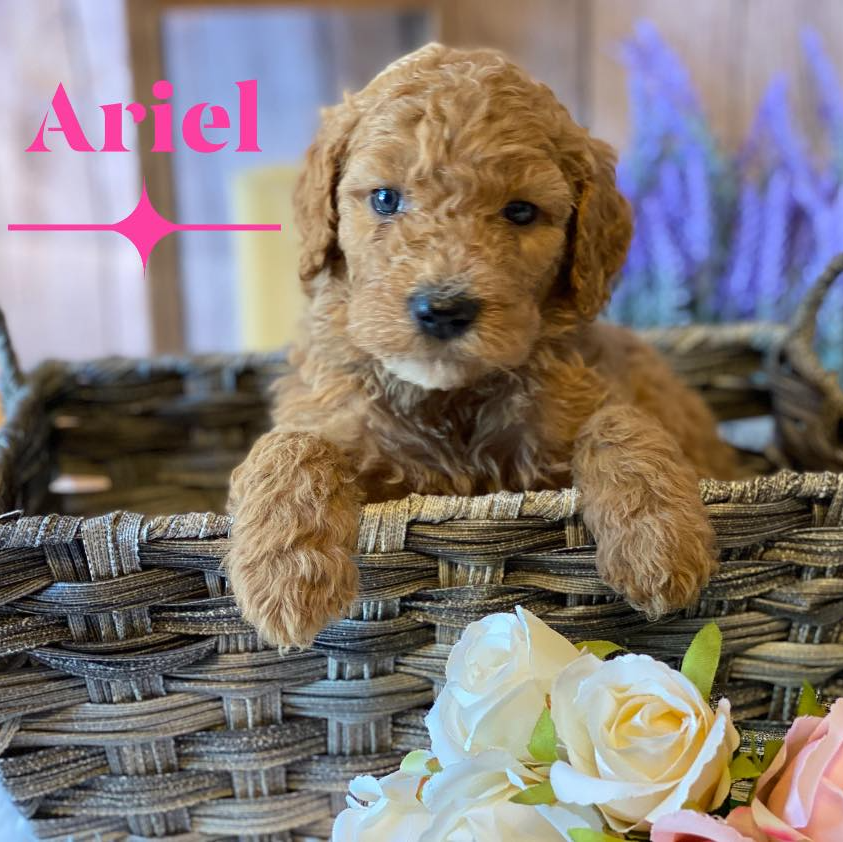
[[11, 377], [805, 321], [798, 345]]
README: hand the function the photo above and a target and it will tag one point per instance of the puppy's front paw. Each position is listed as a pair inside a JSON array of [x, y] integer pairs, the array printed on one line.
[[656, 568], [295, 508], [641, 501], [291, 595]]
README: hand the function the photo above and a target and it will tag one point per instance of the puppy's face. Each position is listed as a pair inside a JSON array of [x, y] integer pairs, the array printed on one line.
[[455, 207], [452, 218]]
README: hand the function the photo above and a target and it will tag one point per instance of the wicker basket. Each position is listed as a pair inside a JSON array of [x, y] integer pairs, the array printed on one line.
[[134, 701]]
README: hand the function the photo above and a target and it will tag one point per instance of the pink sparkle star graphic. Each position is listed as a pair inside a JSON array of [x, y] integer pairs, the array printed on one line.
[[144, 227]]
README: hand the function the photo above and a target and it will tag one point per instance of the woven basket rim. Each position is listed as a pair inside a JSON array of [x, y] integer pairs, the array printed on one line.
[[501, 506]]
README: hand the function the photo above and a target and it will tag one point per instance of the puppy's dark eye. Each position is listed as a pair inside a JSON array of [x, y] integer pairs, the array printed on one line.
[[521, 213], [387, 201]]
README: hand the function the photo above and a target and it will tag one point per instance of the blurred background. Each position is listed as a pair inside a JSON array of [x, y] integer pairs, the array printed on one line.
[[728, 115]]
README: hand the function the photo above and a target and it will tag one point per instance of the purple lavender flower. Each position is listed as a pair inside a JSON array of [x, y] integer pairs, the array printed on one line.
[[697, 228], [674, 81], [828, 90], [775, 210], [671, 298], [722, 236], [737, 292], [674, 163]]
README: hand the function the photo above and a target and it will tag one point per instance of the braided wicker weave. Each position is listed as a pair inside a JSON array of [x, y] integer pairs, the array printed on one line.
[[136, 704]]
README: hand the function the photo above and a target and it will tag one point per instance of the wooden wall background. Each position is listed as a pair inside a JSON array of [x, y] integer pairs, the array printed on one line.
[[85, 296], [67, 294], [733, 48]]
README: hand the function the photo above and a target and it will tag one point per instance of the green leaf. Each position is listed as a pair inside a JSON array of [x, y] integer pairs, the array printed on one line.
[[599, 648], [539, 794], [809, 704], [771, 749], [743, 769], [416, 763], [701, 660], [542, 745], [586, 834]]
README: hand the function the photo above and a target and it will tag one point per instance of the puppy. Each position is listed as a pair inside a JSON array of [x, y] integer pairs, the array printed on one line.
[[461, 233]]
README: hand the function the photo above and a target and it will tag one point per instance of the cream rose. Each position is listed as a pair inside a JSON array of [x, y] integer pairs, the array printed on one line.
[[641, 740], [470, 802], [498, 677], [390, 810]]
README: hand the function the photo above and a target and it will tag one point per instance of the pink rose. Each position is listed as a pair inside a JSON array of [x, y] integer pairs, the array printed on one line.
[[690, 826], [800, 797]]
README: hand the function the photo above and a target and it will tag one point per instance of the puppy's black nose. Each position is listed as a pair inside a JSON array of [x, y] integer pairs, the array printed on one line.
[[444, 317]]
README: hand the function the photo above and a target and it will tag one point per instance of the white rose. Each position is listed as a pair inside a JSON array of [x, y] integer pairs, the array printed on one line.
[[641, 740], [470, 802], [392, 810], [499, 675]]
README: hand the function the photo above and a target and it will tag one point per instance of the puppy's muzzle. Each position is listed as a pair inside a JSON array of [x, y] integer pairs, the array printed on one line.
[[443, 316]]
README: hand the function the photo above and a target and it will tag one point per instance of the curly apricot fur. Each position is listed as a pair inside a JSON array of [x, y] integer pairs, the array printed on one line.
[[534, 396]]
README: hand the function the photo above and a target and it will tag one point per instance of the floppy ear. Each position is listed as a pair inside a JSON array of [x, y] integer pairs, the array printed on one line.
[[314, 198], [601, 233]]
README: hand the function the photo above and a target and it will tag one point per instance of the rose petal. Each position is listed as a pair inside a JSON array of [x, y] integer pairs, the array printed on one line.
[[503, 820], [795, 739], [447, 733], [400, 787], [786, 800], [549, 650], [565, 817], [827, 813], [471, 800], [573, 787], [801, 794], [567, 714], [640, 740], [634, 749], [703, 780], [365, 788], [642, 677], [347, 824], [394, 814], [460, 725], [809, 770], [772, 825], [499, 675], [687, 824], [490, 652], [741, 819], [508, 724], [471, 778]]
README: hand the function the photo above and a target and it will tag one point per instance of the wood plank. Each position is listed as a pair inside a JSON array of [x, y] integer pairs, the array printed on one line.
[[361, 43], [708, 36], [112, 180], [773, 41], [343, 5], [303, 60], [162, 273], [67, 295], [545, 37]]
